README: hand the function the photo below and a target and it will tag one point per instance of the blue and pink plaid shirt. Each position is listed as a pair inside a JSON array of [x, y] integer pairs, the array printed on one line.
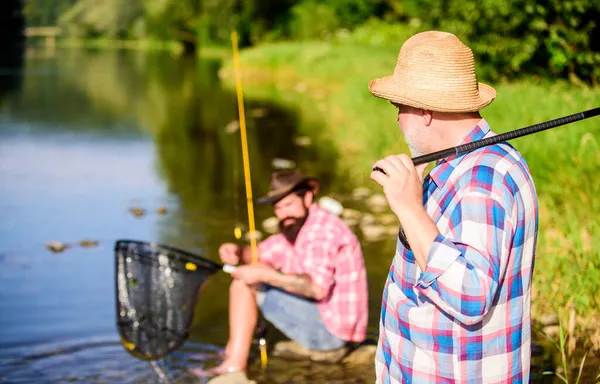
[[466, 318]]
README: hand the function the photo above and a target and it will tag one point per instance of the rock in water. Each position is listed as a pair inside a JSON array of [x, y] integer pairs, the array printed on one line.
[[231, 378], [361, 193], [293, 351], [302, 141], [362, 355], [256, 234], [271, 225], [56, 246], [232, 127], [88, 243], [377, 203], [279, 163], [332, 205], [137, 212]]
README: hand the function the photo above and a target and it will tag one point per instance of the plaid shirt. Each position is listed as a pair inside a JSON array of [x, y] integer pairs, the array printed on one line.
[[330, 253], [466, 318]]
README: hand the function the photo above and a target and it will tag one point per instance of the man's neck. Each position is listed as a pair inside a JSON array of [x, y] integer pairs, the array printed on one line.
[[449, 132]]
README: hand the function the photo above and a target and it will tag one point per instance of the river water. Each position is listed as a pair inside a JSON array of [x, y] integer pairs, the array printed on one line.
[[87, 135]]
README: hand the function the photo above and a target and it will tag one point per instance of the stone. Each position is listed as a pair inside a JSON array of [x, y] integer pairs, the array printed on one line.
[[232, 127], [377, 203], [350, 221], [331, 205], [293, 351], [88, 243], [302, 141], [257, 113], [362, 355], [348, 213], [361, 193], [271, 225], [57, 246], [257, 235], [548, 319], [279, 163], [388, 219], [552, 331], [367, 219], [373, 232], [392, 230], [231, 378], [137, 211]]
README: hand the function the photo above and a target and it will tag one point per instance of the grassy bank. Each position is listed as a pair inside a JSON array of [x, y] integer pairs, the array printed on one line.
[[327, 81]]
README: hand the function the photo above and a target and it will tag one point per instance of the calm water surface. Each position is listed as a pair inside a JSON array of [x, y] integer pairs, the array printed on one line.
[[86, 135]]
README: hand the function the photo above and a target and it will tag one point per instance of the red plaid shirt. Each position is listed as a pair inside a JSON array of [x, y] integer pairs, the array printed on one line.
[[328, 251]]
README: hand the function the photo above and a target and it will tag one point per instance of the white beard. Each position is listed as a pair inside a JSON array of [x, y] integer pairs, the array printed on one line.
[[415, 143]]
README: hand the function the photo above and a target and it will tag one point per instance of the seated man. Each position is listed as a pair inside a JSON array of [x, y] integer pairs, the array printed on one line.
[[310, 281]]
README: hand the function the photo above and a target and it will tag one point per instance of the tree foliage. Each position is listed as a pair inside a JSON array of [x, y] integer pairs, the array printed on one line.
[[546, 37], [557, 38]]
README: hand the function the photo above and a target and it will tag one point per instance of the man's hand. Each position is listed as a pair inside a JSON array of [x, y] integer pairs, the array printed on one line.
[[229, 253], [403, 188], [254, 273], [403, 184]]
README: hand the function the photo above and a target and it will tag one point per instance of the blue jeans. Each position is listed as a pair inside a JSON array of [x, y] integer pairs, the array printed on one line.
[[297, 318]]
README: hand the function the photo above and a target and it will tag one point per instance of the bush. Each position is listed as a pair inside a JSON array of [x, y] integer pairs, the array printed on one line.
[[546, 37], [313, 20]]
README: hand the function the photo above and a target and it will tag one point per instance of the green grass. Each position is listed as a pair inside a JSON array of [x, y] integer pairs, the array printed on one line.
[[327, 82]]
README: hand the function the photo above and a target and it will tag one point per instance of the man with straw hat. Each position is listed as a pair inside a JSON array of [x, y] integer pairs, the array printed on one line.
[[456, 303], [310, 281]]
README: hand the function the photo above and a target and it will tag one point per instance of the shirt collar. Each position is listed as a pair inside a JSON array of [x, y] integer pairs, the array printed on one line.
[[444, 167]]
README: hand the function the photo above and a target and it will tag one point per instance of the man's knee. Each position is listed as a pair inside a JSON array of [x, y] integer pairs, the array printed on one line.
[[238, 287]]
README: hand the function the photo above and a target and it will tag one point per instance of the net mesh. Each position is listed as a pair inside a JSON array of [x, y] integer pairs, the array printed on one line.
[[157, 287]]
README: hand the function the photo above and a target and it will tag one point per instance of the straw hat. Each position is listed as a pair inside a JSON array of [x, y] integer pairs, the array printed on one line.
[[284, 182], [436, 72]]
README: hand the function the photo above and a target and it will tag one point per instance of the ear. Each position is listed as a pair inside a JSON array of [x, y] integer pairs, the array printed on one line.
[[427, 116], [308, 199]]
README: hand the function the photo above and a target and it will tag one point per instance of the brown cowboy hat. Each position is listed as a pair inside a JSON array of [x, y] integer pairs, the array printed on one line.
[[285, 182], [435, 71]]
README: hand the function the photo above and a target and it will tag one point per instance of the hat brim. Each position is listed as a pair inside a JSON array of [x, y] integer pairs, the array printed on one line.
[[310, 182], [387, 88]]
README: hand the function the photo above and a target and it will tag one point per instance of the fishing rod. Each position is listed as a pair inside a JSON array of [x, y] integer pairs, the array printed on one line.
[[455, 151]]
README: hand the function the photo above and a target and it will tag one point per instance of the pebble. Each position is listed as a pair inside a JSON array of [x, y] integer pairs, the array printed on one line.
[[232, 127], [88, 243], [137, 212], [56, 246], [377, 203], [256, 234], [302, 141], [271, 225], [279, 163], [360, 193], [331, 205]]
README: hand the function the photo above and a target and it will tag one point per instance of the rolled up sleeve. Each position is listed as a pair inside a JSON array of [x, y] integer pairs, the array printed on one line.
[[463, 267], [319, 264]]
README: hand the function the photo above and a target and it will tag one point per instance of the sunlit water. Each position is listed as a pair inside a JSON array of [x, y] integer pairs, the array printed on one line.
[[84, 136]]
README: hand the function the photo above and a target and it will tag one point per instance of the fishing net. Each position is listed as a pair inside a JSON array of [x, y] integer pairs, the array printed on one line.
[[157, 287]]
